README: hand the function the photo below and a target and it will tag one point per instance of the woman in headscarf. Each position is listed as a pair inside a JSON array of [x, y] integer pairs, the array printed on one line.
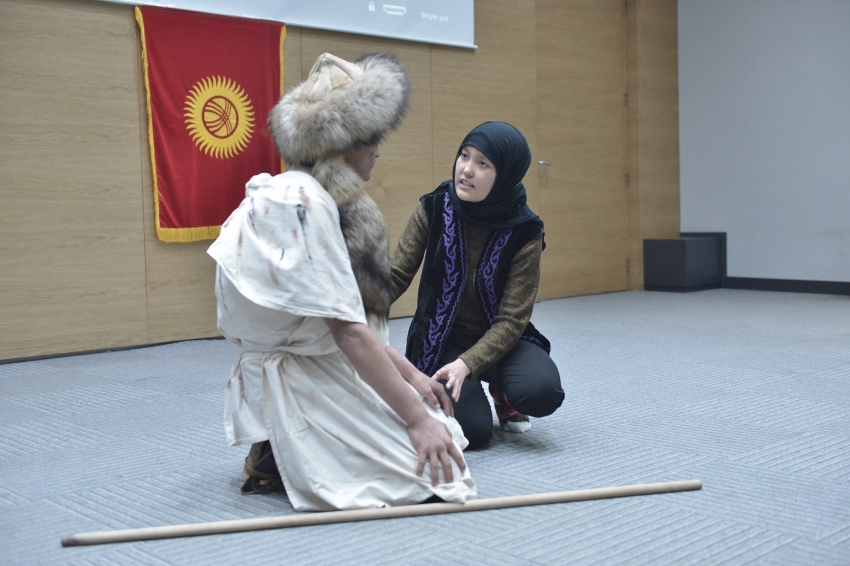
[[481, 245]]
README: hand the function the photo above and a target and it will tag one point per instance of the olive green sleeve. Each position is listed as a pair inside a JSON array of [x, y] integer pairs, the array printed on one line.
[[409, 252], [514, 311]]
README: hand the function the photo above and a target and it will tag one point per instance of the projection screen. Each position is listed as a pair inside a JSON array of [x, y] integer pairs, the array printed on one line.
[[444, 22]]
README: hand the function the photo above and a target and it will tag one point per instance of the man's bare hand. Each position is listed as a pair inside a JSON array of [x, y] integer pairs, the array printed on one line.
[[454, 375], [433, 443]]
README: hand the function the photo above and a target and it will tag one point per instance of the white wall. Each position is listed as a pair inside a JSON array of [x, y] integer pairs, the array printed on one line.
[[764, 103]]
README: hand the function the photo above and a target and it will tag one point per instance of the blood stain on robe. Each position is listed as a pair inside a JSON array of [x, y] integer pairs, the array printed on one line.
[[302, 218], [273, 272], [305, 200]]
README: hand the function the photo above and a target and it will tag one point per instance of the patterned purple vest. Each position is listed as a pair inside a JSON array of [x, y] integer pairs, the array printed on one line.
[[444, 275]]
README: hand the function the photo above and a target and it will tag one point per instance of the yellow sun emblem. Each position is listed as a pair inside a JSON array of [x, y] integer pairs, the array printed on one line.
[[219, 117]]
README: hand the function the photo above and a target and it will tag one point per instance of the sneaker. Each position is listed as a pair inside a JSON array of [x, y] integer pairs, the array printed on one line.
[[260, 474], [517, 423], [510, 419]]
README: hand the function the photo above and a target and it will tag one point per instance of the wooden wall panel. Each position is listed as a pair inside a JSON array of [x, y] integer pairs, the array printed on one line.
[[292, 70], [498, 81], [404, 171], [180, 276], [581, 131], [653, 124], [658, 97], [72, 273], [635, 265]]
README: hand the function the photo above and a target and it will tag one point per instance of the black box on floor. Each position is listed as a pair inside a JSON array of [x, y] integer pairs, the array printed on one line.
[[689, 263]]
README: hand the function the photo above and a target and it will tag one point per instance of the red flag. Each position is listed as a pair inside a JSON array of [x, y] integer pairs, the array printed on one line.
[[211, 82]]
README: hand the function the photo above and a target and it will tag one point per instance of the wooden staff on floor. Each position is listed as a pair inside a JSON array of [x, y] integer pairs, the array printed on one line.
[[326, 518]]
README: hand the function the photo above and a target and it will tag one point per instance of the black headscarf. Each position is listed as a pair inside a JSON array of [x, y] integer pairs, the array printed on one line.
[[505, 206]]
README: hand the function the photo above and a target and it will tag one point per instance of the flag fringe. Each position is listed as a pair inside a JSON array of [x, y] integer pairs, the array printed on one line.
[[183, 235]]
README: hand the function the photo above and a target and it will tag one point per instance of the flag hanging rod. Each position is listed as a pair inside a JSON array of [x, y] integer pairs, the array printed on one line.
[[330, 517]]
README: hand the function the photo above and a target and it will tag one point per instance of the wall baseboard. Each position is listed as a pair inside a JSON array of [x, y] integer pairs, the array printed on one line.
[[788, 285], [680, 289], [101, 351]]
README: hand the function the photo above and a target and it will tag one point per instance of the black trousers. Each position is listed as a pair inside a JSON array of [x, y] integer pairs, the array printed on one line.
[[526, 375]]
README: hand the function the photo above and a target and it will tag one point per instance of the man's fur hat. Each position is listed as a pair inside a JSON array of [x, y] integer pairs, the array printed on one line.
[[340, 105], [343, 105]]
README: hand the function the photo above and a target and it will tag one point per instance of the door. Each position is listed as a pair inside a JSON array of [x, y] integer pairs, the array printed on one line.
[[582, 136]]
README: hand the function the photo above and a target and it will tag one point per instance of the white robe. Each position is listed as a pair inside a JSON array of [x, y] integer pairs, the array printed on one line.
[[282, 267]]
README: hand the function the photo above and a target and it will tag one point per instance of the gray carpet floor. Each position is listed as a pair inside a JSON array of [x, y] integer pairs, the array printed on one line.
[[747, 391]]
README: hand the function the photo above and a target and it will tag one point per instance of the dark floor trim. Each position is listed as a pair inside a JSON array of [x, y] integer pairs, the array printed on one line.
[[680, 289], [85, 352], [788, 285]]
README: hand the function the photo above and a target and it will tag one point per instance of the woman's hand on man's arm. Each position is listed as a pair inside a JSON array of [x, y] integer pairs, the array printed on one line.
[[430, 437], [433, 391], [454, 374]]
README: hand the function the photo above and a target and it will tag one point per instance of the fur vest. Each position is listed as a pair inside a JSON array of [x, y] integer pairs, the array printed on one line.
[[365, 234]]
